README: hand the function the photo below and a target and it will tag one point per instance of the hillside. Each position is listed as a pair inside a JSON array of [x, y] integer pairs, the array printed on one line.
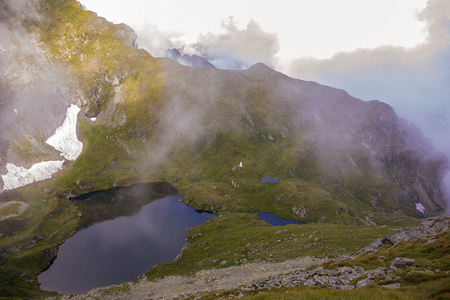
[[337, 159]]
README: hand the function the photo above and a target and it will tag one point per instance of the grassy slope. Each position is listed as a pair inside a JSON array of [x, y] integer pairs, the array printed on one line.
[[428, 255], [50, 218], [115, 148], [134, 141], [416, 284], [238, 238], [435, 289], [47, 222]]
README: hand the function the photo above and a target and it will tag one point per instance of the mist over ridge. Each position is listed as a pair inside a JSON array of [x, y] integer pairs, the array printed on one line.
[[412, 80], [204, 110]]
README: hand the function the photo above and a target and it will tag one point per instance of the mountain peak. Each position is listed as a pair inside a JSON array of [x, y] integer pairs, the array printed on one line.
[[188, 60], [260, 67]]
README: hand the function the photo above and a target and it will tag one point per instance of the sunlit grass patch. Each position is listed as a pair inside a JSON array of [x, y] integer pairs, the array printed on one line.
[[10, 209]]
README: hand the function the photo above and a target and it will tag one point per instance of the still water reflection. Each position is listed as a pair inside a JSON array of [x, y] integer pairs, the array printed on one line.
[[118, 250], [276, 221]]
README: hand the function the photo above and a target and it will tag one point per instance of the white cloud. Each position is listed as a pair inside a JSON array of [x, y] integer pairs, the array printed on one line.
[[318, 28]]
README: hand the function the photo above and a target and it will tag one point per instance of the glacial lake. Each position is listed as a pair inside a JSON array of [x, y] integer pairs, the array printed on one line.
[[123, 233], [275, 220]]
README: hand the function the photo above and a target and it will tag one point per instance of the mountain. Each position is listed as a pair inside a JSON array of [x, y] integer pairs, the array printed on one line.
[[213, 134], [188, 60], [336, 156]]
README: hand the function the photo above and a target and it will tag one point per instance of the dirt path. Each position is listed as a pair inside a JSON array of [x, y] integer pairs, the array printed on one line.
[[23, 207], [203, 281]]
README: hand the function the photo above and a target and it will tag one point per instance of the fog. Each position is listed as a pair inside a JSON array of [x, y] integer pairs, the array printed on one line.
[[33, 98], [414, 81], [232, 48]]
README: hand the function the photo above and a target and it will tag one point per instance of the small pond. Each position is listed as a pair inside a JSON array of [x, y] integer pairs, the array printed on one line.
[[268, 179], [111, 248], [276, 221]]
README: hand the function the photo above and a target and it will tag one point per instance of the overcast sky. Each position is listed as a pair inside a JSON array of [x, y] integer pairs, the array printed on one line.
[[395, 51]]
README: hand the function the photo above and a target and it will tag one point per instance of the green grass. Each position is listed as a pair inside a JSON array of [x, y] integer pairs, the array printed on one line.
[[415, 282], [48, 222], [433, 255], [140, 141], [437, 289], [11, 209], [239, 238]]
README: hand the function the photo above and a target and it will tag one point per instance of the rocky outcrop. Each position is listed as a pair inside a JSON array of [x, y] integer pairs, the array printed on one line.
[[127, 34], [188, 60], [429, 227], [343, 278], [33, 90]]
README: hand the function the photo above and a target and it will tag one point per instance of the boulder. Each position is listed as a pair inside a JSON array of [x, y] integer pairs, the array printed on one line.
[[401, 263], [430, 226]]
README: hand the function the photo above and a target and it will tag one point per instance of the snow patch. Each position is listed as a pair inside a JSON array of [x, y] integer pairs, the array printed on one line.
[[15, 111], [420, 207], [65, 138], [20, 176], [93, 119]]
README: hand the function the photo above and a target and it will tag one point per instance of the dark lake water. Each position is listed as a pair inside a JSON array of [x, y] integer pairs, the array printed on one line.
[[276, 221], [120, 248]]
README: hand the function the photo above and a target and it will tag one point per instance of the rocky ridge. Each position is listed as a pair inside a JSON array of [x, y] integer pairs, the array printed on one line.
[[429, 227], [188, 60]]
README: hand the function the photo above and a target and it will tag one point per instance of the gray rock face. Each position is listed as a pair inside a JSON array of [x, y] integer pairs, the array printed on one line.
[[127, 34], [33, 91], [338, 278], [356, 276], [430, 226], [188, 60], [401, 263]]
